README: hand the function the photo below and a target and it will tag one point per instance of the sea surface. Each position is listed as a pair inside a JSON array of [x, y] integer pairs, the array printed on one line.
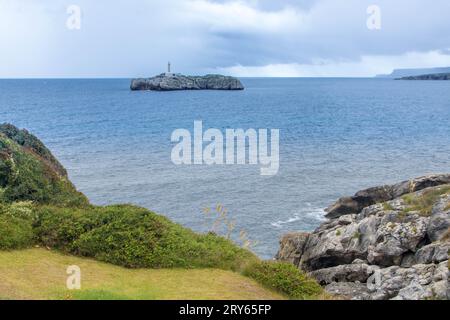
[[336, 136]]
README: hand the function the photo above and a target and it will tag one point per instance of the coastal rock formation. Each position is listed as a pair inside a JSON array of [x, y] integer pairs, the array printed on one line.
[[367, 197], [402, 73], [170, 82], [388, 242], [433, 76]]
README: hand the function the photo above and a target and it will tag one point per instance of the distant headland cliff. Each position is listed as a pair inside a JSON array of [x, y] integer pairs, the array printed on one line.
[[434, 76], [170, 82], [403, 73]]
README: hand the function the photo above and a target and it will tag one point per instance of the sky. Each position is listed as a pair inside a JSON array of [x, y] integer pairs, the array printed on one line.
[[246, 38]]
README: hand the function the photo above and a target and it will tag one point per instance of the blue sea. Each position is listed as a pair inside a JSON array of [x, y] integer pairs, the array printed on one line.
[[336, 136]]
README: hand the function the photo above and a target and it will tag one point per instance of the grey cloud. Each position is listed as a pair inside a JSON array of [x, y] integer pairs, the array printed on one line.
[[137, 37]]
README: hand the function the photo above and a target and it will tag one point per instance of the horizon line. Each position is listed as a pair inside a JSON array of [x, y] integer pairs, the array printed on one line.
[[241, 77]]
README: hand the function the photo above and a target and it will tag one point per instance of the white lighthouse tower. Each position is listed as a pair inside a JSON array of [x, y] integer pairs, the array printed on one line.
[[169, 73]]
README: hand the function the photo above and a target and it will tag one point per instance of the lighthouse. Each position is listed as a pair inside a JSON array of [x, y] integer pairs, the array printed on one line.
[[169, 73]]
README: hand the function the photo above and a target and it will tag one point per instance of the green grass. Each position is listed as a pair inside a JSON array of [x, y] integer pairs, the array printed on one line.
[[15, 233], [41, 274], [423, 203], [387, 206], [284, 278], [96, 295]]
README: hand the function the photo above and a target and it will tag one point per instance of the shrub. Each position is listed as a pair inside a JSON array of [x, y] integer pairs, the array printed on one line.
[[28, 141], [16, 229], [134, 237], [284, 278], [23, 209], [15, 233], [25, 176], [59, 227]]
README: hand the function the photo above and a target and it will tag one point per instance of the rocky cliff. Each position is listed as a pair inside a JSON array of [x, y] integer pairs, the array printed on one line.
[[401, 73], [388, 242], [164, 82], [434, 76]]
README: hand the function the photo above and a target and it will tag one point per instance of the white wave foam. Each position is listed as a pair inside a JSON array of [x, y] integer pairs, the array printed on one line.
[[309, 215]]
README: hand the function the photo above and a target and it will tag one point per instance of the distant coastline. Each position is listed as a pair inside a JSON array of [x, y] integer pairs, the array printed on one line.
[[402, 73], [434, 76]]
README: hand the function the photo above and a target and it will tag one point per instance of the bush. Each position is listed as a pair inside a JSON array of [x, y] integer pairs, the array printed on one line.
[[15, 233], [16, 230], [134, 237], [59, 227], [23, 209], [30, 142], [284, 278], [25, 176]]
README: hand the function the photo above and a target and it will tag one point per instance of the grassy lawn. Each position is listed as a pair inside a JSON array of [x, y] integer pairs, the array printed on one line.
[[41, 274]]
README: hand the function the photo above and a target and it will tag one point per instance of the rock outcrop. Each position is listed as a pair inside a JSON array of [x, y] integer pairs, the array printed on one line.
[[365, 198], [171, 82], [388, 242]]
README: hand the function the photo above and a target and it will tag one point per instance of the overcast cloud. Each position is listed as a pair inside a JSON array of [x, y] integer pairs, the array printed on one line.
[[127, 38]]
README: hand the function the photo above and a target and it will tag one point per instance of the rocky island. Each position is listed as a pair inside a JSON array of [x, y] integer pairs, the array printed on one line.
[[171, 82], [387, 242]]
